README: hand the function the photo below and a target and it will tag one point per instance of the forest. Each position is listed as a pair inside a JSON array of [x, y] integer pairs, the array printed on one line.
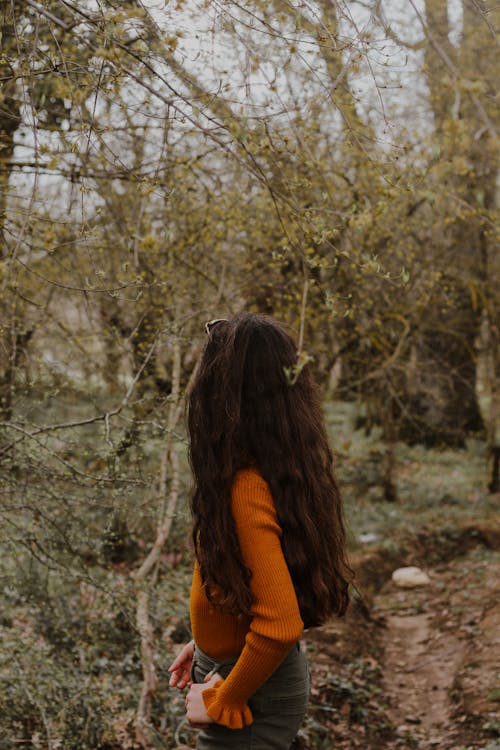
[[332, 163]]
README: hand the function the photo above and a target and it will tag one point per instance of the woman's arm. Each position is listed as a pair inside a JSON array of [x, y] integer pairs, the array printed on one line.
[[276, 623]]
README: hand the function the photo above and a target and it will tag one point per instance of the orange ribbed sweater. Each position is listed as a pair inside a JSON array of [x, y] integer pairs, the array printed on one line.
[[263, 639]]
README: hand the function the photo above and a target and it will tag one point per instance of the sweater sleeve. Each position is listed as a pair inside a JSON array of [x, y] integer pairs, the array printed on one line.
[[276, 623]]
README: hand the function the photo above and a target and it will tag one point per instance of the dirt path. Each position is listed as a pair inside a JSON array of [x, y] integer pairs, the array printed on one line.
[[441, 656], [413, 669], [419, 669]]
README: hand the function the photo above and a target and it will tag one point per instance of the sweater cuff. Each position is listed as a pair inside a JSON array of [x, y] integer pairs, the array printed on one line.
[[233, 717]]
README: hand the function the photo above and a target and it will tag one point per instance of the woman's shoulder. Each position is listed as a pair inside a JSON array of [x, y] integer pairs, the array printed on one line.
[[251, 497], [249, 477]]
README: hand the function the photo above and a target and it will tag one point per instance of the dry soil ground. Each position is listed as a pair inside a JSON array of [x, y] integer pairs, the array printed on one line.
[[415, 668]]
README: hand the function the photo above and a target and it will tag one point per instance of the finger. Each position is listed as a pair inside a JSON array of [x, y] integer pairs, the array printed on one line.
[[174, 678], [183, 656], [178, 679], [185, 678], [180, 676], [213, 677], [175, 664]]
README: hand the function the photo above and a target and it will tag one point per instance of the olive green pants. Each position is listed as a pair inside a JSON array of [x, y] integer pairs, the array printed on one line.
[[278, 707]]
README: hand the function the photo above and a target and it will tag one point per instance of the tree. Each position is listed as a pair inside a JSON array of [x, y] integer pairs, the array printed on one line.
[[150, 184]]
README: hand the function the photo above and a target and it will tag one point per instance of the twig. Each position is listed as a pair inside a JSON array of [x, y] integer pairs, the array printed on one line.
[[483, 115], [150, 679], [429, 661], [303, 306], [36, 703], [80, 423]]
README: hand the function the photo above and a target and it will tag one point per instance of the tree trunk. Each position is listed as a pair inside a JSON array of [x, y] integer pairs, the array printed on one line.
[[10, 118]]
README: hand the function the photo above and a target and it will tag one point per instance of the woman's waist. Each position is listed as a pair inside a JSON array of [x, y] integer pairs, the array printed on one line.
[[292, 667], [219, 643], [212, 663], [217, 633]]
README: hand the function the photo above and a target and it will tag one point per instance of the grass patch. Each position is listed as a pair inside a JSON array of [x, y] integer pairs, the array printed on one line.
[[69, 648]]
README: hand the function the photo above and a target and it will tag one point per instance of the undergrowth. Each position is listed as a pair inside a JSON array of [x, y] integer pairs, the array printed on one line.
[[70, 669]]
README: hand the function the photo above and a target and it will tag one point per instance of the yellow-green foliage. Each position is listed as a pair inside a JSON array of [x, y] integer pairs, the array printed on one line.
[[153, 177]]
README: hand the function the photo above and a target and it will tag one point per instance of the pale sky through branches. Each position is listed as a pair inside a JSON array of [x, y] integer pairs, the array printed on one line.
[[263, 65]]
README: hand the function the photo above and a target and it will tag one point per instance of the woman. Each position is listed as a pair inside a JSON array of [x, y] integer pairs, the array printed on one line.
[[268, 536]]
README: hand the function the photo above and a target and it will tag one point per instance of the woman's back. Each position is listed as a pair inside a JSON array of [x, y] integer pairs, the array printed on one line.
[[268, 536]]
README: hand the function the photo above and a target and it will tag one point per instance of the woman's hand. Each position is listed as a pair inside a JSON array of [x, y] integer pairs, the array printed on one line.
[[195, 708], [181, 667]]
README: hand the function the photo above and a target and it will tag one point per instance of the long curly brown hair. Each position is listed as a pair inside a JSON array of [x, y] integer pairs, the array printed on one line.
[[252, 404]]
